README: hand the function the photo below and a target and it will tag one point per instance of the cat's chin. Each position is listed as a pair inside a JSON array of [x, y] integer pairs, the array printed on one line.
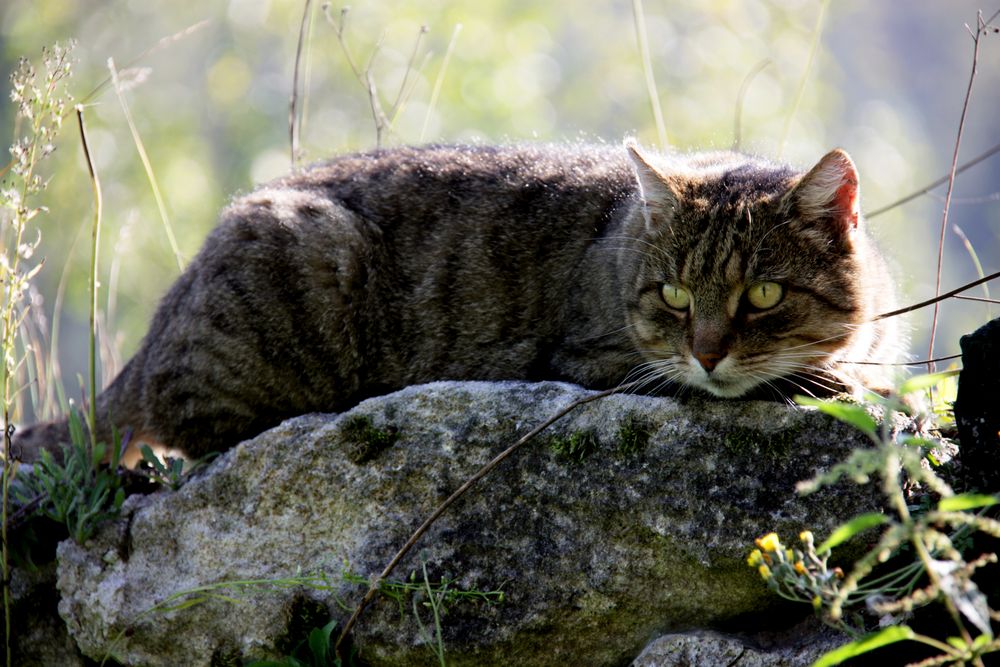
[[723, 387]]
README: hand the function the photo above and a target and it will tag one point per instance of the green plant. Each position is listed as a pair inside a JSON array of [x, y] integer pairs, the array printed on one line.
[[316, 650], [80, 491], [169, 471], [919, 542], [41, 103]]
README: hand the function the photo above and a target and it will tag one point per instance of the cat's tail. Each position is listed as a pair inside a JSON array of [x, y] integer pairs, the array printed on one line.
[[28, 442]]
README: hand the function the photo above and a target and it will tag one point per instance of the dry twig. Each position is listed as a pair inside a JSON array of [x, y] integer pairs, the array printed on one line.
[[981, 29]]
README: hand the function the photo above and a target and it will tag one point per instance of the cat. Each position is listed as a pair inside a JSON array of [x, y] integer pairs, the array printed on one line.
[[715, 272]]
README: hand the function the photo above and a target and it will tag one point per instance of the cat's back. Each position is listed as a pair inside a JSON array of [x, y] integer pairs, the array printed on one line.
[[478, 185]]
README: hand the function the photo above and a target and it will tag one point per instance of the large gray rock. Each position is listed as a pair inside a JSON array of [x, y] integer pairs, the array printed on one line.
[[703, 648], [629, 518]]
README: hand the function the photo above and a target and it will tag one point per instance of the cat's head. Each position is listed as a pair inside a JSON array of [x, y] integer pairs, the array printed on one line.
[[749, 272]]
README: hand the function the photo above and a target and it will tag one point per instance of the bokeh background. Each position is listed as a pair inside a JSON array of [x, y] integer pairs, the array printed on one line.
[[887, 84]]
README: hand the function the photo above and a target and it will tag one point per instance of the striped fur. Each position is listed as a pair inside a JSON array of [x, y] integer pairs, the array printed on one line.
[[375, 271]]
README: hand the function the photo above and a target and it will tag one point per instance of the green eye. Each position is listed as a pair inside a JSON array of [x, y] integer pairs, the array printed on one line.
[[676, 297], [765, 295]]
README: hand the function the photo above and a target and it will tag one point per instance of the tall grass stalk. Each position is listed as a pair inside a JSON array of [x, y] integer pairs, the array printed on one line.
[[813, 46], [147, 165], [647, 70], [95, 236], [974, 256], [439, 80], [296, 116]]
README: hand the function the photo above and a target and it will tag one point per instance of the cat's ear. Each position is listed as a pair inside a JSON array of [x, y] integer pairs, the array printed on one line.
[[829, 193], [659, 194]]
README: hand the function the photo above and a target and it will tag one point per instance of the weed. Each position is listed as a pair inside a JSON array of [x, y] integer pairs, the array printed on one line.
[[169, 472], [41, 104], [924, 544], [316, 650], [78, 492]]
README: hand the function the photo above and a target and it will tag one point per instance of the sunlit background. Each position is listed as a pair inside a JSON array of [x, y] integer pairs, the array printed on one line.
[[212, 109]]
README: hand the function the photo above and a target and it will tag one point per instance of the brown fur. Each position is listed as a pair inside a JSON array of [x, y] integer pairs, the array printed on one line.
[[375, 271]]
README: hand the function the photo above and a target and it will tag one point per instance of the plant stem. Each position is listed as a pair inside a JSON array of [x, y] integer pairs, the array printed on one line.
[[647, 70], [95, 234], [814, 44]]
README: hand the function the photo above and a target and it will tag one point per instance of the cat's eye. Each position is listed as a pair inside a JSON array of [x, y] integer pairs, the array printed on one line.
[[676, 297], [765, 295]]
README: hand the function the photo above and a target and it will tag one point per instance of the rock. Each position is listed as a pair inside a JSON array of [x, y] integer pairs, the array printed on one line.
[[706, 648], [39, 637], [631, 517], [976, 407]]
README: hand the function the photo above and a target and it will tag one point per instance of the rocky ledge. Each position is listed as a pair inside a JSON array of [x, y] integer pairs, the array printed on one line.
[[628, 520]]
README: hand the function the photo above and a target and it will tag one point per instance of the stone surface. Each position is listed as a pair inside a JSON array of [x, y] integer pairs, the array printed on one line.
[[976, 408], [39, 637], [709, 649], [630, 517]]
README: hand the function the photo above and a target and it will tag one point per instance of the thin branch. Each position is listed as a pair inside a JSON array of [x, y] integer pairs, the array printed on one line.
[[940, 297], [482, 472], [981, 299], [902, 363], [364, 77], [941, 181], [293, 115], [741, 96], [980, 27], [647, 70], [403, 93]]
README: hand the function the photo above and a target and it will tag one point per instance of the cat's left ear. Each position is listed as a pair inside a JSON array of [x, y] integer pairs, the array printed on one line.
[[659, 196], [829, 193]]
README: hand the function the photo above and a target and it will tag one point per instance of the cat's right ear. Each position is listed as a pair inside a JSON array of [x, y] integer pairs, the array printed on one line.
[[659, 197]]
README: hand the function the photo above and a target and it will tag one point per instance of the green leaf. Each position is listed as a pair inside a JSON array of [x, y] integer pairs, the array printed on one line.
[[848, 530], [867, 643], [966, 501], [318, 645], [957, 642], [920, 382], [855, 415]]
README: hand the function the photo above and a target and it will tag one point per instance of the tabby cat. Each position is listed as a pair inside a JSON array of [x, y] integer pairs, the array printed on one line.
[[714, 272]]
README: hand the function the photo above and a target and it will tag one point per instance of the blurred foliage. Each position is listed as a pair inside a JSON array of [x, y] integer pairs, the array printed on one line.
[[212, 109]]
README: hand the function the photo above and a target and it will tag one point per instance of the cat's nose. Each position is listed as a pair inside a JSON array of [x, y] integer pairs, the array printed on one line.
[[709, 360]]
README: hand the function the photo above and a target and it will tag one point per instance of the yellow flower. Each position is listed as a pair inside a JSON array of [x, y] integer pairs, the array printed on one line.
[[753, 560], [765, 572], [817, 602], [800, 567], [769, 542], [806, 537]]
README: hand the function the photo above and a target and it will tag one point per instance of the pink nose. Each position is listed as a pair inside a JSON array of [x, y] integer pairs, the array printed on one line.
[[709, 360]]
